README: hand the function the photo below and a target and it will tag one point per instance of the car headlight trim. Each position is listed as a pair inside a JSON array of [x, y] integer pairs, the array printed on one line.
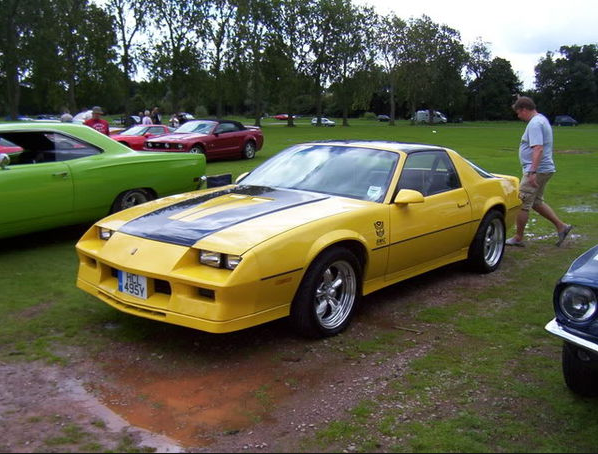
[[105, 234], [219, 260], [578, 303]]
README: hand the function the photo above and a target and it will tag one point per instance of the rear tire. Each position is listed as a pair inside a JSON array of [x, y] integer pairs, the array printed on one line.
[[328, 294], [249, 150], [130, 199], [488, 246], [579, 376]]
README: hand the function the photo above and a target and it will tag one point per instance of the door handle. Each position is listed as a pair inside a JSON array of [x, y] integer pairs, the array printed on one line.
[[60, 174], [462, 204]]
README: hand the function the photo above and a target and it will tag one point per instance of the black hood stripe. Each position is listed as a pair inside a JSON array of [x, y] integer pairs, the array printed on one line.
[[159, 225]]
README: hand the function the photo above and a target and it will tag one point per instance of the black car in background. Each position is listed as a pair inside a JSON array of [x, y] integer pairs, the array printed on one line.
[[565, 120], [576, 322]]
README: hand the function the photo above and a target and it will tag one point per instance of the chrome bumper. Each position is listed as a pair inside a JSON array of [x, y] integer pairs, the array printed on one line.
[[554, 328]]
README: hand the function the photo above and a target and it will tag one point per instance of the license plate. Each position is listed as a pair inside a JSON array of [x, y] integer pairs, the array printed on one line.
[[132, 284]]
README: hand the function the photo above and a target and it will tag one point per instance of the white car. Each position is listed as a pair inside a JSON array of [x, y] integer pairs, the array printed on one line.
[[325, 122]]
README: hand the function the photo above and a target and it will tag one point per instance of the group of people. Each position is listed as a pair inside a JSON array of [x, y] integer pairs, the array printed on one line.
[[151, 118]]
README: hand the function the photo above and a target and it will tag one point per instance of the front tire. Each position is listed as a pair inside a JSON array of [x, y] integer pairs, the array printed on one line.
[[130, 198], [328, 295], [488, 246], [579, 376], [249, 150], [197, 149]]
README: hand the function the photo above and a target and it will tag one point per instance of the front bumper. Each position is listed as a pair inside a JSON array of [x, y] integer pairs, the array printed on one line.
[[180, 291], [553, 327]]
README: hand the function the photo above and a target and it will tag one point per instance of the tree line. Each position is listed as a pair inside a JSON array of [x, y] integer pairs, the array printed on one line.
[[251, 57]]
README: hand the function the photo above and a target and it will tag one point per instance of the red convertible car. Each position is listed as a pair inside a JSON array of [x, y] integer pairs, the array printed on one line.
[[213, 138], [135, 136]]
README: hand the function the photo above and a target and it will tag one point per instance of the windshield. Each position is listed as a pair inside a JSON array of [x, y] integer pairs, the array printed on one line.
[[358, 173], [134, 131], [202, 127]]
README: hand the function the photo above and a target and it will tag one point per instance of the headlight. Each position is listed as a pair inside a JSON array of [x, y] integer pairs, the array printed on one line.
[[218, 260], [105, 233], [210, 258], [578, 303], [232, 261], [179, 146]]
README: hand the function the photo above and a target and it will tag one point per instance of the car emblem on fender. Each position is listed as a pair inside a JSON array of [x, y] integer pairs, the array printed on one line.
[[379, 226], [133, 251]]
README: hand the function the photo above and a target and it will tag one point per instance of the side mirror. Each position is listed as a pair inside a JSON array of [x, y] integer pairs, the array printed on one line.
[[4, 160], [406, 196], [214, 181], [240, 177]]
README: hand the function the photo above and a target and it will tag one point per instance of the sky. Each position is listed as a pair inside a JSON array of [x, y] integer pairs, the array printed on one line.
[[521, 31]]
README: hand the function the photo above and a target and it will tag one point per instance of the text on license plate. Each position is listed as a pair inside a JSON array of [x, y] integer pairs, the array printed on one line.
[[132, 284]]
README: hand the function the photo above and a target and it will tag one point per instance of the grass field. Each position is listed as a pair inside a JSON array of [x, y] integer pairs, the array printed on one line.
[[501, 353]]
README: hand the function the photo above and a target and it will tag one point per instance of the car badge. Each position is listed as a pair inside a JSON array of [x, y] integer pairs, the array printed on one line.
[[133, 251], [379, 226]]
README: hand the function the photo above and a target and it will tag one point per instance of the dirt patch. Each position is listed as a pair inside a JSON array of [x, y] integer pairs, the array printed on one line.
[[259, 389]]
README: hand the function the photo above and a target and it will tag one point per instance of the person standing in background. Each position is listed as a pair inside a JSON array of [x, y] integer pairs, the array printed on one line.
[[66, 116], [97, 122], [156, 117], [146, 118], [535, 156]]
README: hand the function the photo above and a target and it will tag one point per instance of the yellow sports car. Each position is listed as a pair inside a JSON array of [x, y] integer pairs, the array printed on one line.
[[304, 235]]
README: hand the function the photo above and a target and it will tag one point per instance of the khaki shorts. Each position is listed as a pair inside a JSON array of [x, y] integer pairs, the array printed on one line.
[[531, 196]]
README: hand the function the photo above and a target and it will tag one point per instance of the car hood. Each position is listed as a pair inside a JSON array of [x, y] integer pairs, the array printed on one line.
[[235, 218], [584, 269], [177, 137]]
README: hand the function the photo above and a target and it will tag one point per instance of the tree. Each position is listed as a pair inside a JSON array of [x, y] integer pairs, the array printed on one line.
[[434, 59], [494, 91], [175, 51], [354, 53], [254, 28], [324, 25], [129, 20], [569, 83], [391, 48], [16, 28], [289, 51], [218, 30]]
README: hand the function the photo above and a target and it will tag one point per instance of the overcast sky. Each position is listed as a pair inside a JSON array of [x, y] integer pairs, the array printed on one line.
[[520, 31]]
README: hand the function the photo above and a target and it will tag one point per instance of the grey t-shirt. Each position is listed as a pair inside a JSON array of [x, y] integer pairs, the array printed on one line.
[[537, 132]]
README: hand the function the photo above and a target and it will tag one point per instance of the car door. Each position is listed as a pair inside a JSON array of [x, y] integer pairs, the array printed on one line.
[[232, 137], [423, 234], [35, 194]]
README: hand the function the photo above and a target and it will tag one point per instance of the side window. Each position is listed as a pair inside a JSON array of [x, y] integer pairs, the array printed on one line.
[[429, 172], [40, 147], [226, 127], [156, 130]]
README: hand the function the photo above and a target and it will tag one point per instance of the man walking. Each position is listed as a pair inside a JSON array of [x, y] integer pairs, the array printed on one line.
[[535, 155]]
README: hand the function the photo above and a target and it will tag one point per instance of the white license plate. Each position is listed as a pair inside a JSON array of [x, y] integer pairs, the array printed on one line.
[[132, 284]]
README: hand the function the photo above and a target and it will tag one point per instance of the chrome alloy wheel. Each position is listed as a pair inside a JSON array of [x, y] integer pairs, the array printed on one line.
[[494, 242], [335, 294]]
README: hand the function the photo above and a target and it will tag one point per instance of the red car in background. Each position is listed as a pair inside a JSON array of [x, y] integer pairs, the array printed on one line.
[[135, 136], [213, 138], [283, 116], [9, 147]]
